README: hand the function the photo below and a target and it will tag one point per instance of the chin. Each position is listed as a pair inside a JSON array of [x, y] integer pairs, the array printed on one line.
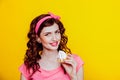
[[54, 48]]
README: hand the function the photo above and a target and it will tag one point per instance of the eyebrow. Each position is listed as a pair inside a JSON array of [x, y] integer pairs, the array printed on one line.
[[50, 32]]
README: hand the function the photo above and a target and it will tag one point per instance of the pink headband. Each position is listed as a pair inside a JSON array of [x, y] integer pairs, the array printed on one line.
[[45, 18]]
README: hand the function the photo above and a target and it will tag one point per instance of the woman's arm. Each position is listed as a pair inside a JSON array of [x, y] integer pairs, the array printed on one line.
[[80, 74], [22, 77]]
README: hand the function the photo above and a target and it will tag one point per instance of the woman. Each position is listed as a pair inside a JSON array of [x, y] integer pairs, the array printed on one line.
[[46, 39]]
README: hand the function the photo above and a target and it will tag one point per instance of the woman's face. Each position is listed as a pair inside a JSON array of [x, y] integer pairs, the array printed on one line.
[[50, 37]]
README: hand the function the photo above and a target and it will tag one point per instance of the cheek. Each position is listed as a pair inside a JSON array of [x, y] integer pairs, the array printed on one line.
[[44, 40], [59, 37]]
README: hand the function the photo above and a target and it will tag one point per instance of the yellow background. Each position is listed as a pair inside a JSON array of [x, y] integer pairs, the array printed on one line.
[[93, 28]]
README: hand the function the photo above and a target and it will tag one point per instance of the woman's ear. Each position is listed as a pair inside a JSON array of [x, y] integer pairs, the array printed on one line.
[[38, 39]]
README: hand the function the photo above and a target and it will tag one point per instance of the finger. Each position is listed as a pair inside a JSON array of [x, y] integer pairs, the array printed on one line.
[[68, 62], [69, 59], [69, 56]]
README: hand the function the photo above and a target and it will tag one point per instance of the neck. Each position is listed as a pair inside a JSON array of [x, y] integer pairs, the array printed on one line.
[[49, 54], [49, 60]]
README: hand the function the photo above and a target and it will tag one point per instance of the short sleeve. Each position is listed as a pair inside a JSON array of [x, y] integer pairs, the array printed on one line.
[[79, 61], [24, 71]]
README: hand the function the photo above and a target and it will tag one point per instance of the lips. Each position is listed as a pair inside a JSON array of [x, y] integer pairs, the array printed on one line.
[[54, 43]]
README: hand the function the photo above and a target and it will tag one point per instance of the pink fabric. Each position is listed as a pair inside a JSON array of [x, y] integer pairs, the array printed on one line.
[[56, 74], [45, 18]]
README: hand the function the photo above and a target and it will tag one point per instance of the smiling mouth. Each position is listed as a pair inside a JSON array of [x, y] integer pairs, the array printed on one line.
[[54, 43]]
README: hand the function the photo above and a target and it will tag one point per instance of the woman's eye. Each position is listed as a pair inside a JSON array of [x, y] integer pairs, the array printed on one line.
[[47, 34], [57, 31]]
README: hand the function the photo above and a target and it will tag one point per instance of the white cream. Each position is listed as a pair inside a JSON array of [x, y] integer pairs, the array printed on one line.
[[62, 55]]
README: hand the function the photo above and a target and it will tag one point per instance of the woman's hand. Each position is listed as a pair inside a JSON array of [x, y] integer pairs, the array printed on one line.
[[22, 77], [70, 66]]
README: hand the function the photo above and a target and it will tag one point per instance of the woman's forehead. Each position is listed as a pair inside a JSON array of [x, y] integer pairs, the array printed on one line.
[[51, 28]]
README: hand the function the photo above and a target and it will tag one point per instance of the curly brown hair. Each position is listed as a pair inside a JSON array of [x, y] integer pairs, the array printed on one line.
[[32, 53]]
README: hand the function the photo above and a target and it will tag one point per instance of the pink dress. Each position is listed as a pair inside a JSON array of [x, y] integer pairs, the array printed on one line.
[[56, 74]]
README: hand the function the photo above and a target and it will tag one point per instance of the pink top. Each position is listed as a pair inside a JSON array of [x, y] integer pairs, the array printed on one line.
[[56, 74]]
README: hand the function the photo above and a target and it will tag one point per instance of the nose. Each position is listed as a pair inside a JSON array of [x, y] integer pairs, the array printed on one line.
[[54, 37]]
